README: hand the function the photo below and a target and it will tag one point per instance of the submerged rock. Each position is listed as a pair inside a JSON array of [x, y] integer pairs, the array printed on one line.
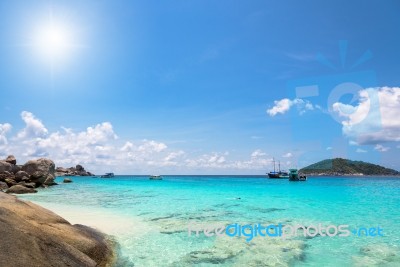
[[38, 237], [67, 180]]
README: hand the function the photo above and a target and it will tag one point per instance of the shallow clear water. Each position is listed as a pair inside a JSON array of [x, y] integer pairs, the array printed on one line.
[[150, 218]]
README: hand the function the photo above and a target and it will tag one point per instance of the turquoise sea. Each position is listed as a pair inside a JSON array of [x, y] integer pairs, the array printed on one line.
[[150, 218]]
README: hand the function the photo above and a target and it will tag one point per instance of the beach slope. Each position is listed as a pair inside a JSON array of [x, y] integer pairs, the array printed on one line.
[[34, 236]]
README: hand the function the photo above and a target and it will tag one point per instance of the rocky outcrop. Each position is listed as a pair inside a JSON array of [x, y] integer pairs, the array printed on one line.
[[67, 180], [34, 236], [22, 179], [78, 170]]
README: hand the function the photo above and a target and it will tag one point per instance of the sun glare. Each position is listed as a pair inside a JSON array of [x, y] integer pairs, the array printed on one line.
[[52, 41]]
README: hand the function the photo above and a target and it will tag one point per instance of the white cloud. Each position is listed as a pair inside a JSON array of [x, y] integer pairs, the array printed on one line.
[[99, 150], [375, 119], [288, 155], [284, 105], [151, 146], [329, 148], [258, 153], [174, 155], [381, 148], [33, 127], [4, 129], [127, 147], [359, 150]]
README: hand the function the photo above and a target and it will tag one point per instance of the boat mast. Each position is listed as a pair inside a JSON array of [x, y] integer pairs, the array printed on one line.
[[273, 160], [279, 165]]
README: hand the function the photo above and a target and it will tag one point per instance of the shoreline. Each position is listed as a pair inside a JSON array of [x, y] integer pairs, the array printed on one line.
[[50, 239]]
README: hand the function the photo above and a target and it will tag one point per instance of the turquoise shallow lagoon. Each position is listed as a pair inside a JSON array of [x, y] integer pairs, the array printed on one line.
[[150, 218]]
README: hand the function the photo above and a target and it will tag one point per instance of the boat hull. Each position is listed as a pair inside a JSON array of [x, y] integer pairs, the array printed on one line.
[[278, 176]]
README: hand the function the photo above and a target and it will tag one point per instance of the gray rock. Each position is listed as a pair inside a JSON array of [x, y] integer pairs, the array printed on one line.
[[28, 185], [41, 171], [19, 189], [5, 166], [6, 175], [3, 186], [10, 182], [16, 168], [11, 159], [49, 181], [20, 175], [67, 180], [79, 168], [61, 169]]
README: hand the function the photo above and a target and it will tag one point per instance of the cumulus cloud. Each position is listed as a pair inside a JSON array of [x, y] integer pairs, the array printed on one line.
[[284, 105], [33, 127], [99, 149], [375, 119], [174, 155], [151, 146], [287, 155], [4, 129]]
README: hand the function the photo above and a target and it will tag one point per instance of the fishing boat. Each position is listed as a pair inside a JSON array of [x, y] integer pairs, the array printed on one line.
[[107, 175], [155, 177], [294, 176], [280, 174]]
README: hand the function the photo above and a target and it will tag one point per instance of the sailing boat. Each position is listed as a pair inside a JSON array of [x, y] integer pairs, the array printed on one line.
[[278, 174]]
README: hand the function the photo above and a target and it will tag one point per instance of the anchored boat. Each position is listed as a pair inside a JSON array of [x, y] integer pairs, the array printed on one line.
[[280, 174], [107, 175], [155, 177], [294, 176]]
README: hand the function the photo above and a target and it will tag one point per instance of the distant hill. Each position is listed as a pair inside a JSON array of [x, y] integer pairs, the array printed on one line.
[[339, 166]]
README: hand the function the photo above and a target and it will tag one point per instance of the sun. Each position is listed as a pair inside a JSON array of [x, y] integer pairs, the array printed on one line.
[[53, 41]]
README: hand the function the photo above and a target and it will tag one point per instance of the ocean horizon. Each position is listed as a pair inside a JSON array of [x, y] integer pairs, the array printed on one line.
[[151, 219]]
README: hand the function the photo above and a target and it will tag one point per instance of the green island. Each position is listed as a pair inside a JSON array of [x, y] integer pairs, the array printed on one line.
[[346, 167]]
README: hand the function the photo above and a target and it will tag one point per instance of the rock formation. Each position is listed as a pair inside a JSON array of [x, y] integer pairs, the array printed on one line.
[[34, 236], [22, 179], [78, 170]]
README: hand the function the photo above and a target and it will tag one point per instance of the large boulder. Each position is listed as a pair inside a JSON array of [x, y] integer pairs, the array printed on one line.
[[11, 159], [33, 236], [19, 189], [6, 175], [16, 168], [41, 171], [67, 180], [5, 166], [20, 175]]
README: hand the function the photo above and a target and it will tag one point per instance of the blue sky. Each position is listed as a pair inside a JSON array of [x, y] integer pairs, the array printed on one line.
[[188, 84]]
